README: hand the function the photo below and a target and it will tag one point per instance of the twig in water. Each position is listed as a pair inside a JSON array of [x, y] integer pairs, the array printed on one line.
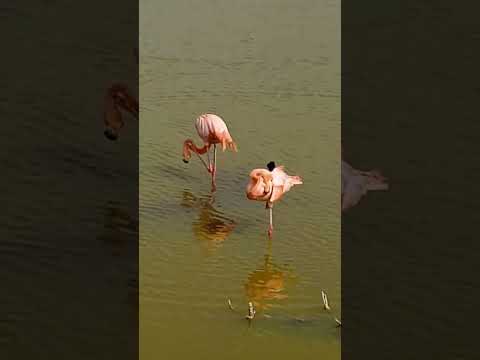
[[230, 305], [251, 311], [325, 301], [339, 323]]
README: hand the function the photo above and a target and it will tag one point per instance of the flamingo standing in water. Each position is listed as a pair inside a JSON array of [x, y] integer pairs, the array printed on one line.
[[269, 186], [118, 98], [212, 130], [356, 184]]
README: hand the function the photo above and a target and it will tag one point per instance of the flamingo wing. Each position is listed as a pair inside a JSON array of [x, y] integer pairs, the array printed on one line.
[[277, 193], [356, 184], [282, 182]]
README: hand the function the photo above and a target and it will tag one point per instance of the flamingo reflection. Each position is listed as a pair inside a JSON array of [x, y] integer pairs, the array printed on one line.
[[211, 227], [120, 228], [120, 236], [267, 283]]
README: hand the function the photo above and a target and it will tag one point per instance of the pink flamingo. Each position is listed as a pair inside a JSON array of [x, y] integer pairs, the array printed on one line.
[[356, 184], [118, 97], [212, 130], [269, 186]]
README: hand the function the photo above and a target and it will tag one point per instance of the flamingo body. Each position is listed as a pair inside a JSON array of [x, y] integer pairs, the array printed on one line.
[[270, 186], [212, 130], [282, 183], [118, 97], [356, 184]]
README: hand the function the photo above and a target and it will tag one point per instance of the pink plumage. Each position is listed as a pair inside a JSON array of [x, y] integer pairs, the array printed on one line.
[[356, 184], [212, 130], [270, 186]]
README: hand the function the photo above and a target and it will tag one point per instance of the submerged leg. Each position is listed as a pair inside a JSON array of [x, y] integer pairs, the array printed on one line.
[[214, 161], [270, 227], [214, 167]]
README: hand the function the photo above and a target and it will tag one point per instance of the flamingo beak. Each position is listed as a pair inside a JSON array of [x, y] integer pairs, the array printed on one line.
[[110, 134]]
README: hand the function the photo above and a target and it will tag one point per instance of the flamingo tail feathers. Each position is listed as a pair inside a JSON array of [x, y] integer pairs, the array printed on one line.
[[377, 182], [296, 180], [229, 144], [377, 186]]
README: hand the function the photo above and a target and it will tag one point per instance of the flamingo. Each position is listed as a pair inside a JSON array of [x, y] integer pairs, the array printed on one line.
[[117, 97], [269, 186], [356, 184], [212, 130]]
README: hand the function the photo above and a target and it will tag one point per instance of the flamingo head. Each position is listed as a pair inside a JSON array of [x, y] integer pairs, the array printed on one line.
[[111, 134], [271, 166], [187, 154]]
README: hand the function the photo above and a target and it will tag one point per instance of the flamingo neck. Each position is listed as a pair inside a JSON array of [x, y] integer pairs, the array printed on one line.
[[263, 175], [120, 96], [189, 146]]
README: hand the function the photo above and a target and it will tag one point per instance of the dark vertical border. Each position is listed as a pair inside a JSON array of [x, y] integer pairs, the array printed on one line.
[[69, 220], [410, 108]]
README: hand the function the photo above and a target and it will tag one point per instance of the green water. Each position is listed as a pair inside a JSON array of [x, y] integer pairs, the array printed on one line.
[[271, 69]]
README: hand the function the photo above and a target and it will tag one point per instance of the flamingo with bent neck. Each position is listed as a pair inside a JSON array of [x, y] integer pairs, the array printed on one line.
[[356, 184], [270, 186], [212, 130], [117, 98]]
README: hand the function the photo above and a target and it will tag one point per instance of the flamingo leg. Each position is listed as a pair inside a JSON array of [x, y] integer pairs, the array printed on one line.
[[214, 160], [270, 227], [203, 161], [214, 167]]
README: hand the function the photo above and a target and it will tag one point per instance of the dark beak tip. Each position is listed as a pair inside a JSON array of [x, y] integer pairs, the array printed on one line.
[[185, 161], [110, 136]]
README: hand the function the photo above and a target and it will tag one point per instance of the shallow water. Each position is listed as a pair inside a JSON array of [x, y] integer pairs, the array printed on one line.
[[271, 69]]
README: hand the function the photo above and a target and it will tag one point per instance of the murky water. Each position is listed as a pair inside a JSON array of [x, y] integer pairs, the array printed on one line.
[[271, 69]]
